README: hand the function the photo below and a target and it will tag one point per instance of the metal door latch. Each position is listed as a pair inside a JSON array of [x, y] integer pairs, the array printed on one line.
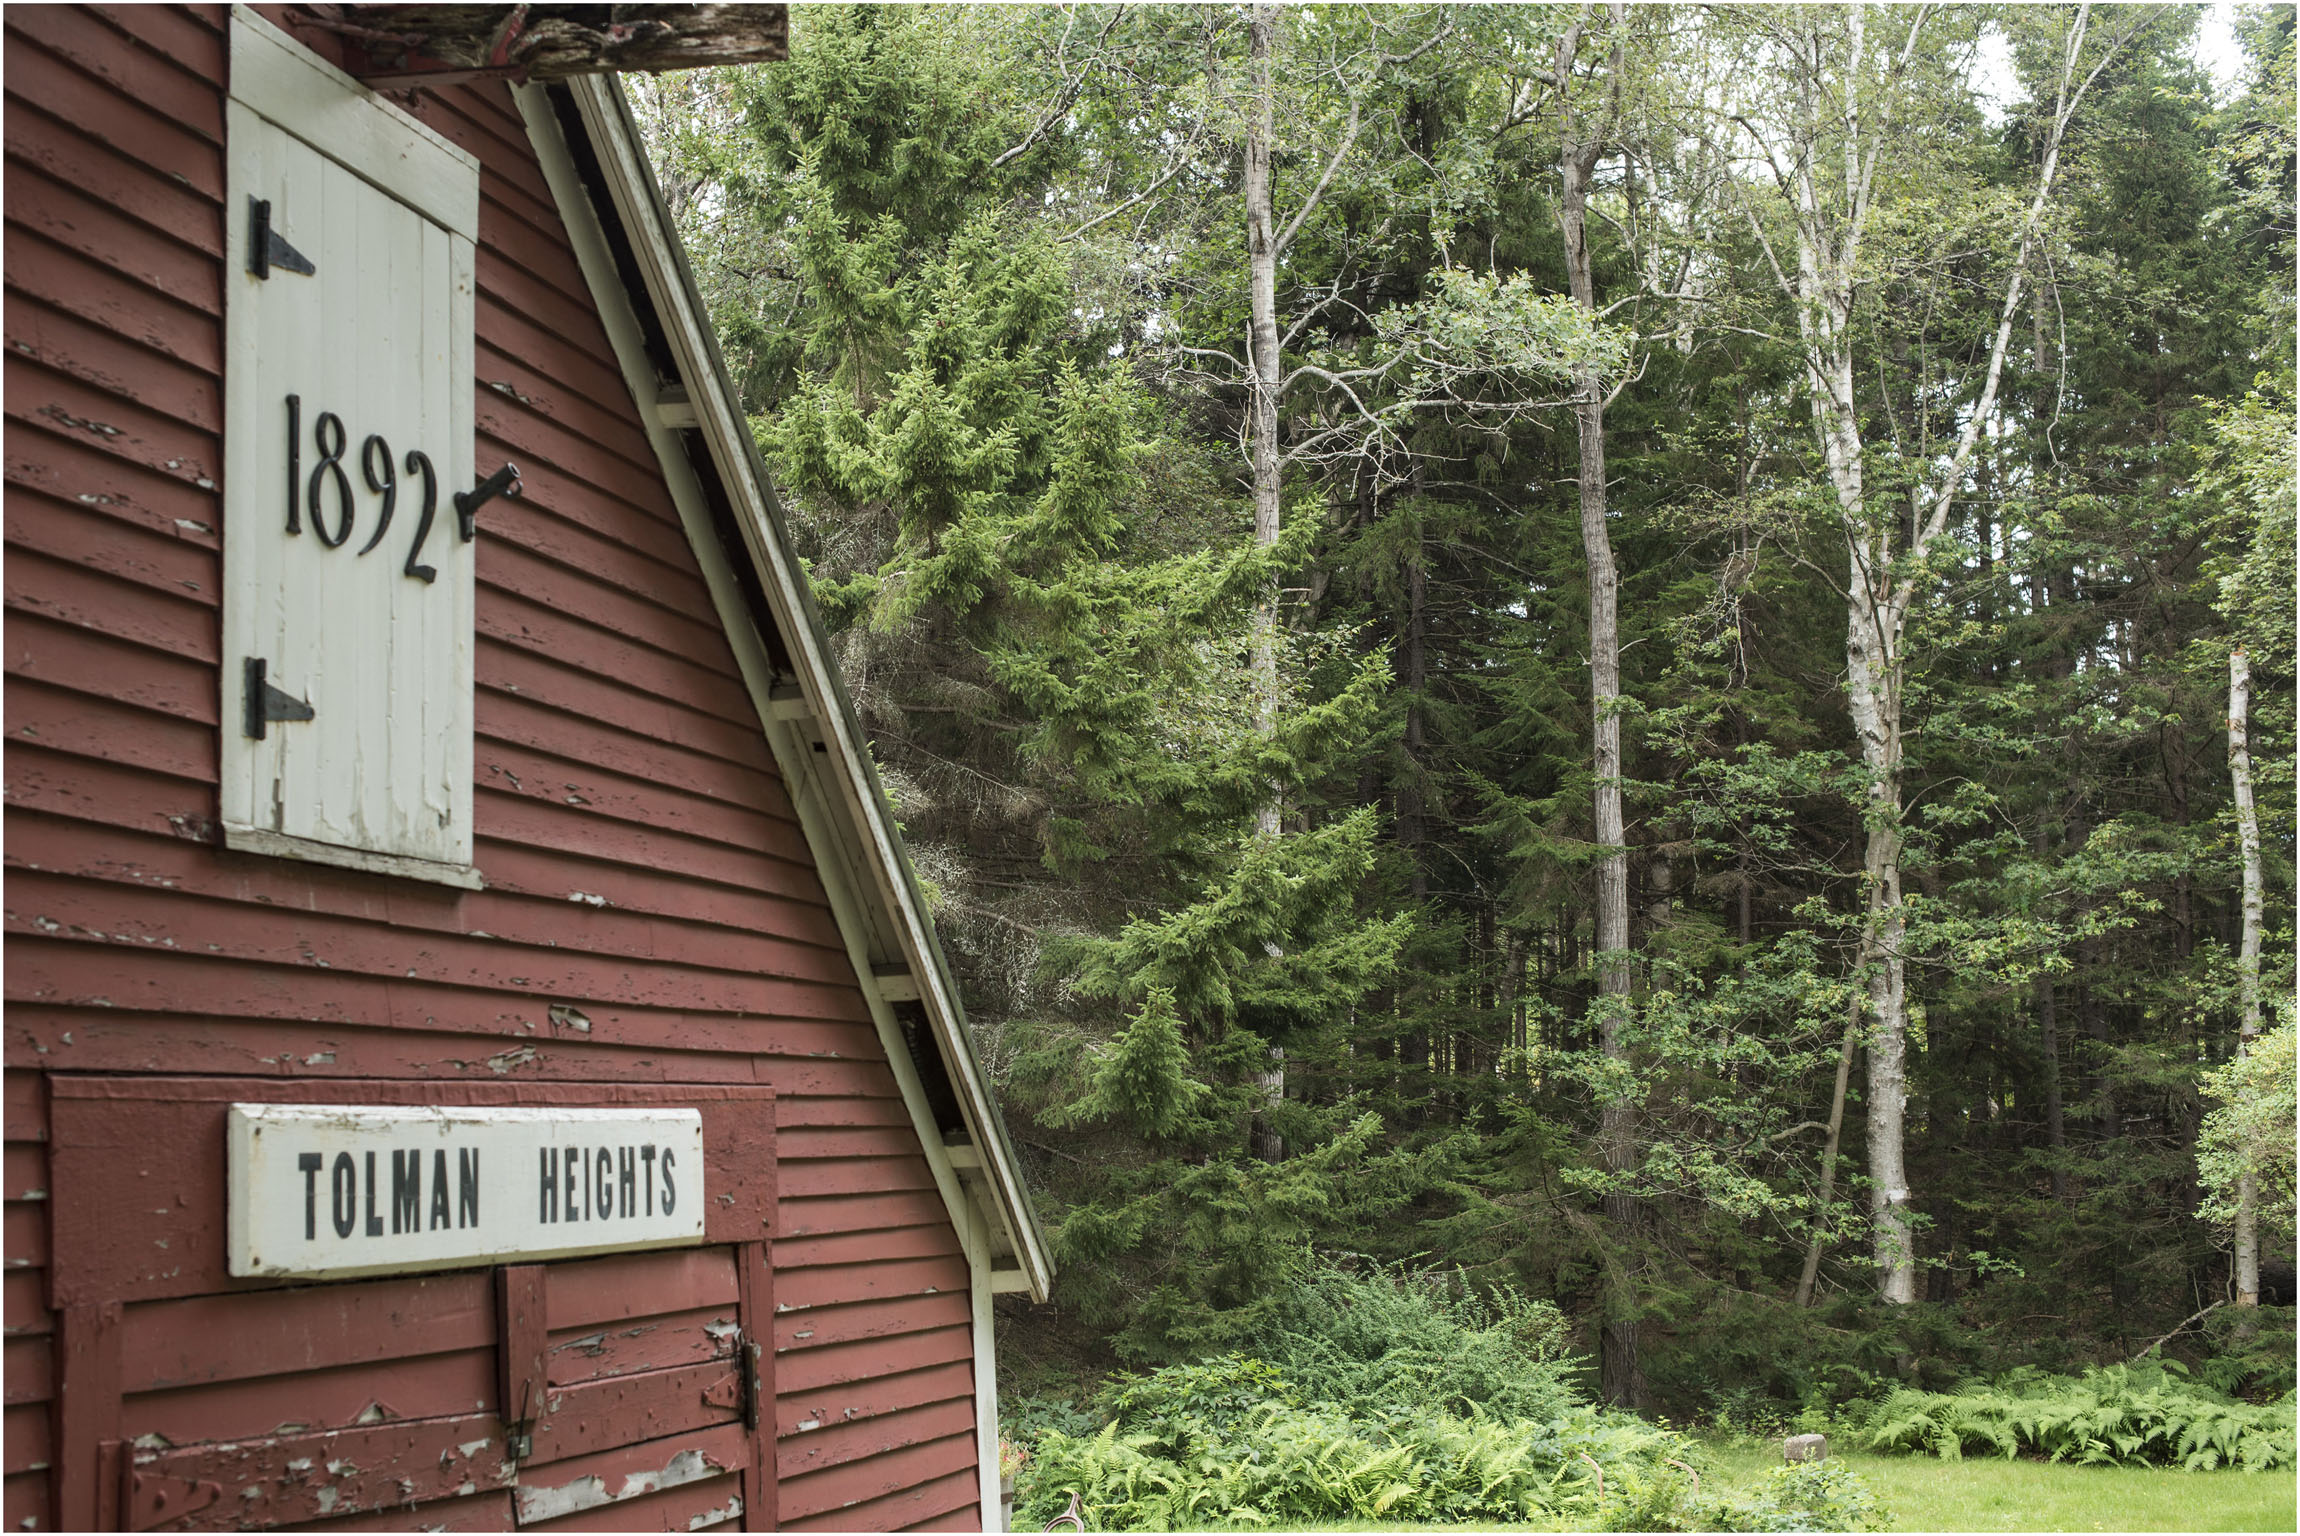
[[263, 703], [519, 1433]]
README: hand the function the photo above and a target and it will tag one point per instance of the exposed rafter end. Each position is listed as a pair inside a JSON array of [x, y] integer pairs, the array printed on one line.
[[895, 983], [674, 410], [788, 701], [391, 47]]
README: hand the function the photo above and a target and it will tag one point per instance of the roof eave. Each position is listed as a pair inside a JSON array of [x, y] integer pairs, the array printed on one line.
[[673, 297]]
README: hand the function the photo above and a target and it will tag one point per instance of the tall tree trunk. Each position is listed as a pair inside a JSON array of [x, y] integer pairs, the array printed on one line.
[[1262, 288], [1262, 267], [1507, 1005], [1873, 671], [2247, 952], [2055, 1122], [1812, 1270], [1880, 589], [1874, 612], [1619, 1376]]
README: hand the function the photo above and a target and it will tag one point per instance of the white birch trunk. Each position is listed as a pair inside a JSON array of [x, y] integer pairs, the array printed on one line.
[[2247, 953], [1881, 583], [1268, 375], [1620, 1380], [1267, 378]]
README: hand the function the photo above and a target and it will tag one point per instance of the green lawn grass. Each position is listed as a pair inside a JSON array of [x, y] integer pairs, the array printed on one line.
[[1924, 1494]]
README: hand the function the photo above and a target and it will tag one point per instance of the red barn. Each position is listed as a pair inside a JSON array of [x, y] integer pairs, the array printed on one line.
[[477, 1056]]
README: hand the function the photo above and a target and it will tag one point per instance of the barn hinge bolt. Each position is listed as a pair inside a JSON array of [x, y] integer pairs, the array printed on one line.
[[504, 482]]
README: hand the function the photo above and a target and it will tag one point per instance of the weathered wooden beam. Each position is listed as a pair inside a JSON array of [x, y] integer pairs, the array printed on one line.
[[391, 46]]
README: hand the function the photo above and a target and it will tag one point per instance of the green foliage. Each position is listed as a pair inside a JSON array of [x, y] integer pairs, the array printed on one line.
[[1394, 1396], [2250, 1352], [978, 272], [1144, 1075], [1760, 1365], [2250, 1130], [1397, 1344], [1804, 1496], [1281, 1465], [2149, 1413]]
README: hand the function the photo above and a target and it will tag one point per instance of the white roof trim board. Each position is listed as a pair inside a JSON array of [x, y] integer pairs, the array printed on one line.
[[907, 959]]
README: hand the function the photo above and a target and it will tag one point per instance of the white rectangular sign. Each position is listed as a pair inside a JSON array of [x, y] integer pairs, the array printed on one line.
[[346, 1189]]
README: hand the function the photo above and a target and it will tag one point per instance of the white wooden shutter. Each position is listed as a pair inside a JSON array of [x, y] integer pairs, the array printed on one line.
[[337, 382]]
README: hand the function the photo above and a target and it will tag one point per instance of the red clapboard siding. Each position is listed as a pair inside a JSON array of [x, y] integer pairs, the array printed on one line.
[[121, 549], [136, 71], [470, 1512], [24, 1171], [114, 332], [25, 1321], [857, 1401], [26, 1305], [81, 172], [646, 872], [26, 1226], [25, 1433], [24, 1501], [803, 1376], [174, 150], [871, 1493], [950, 1498]]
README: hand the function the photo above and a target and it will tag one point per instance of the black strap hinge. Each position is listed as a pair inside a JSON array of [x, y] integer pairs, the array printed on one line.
[[267, 248], [263, 703]]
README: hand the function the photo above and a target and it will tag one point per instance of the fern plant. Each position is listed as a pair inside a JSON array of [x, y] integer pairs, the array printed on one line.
[[2148, 1413]]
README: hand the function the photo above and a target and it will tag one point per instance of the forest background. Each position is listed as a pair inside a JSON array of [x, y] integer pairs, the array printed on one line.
[[1586, 646]]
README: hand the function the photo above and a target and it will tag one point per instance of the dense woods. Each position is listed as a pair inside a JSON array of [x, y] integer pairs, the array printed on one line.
[[1641, 653]]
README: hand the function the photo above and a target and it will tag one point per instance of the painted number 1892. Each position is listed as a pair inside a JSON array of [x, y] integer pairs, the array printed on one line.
[[327, 490]]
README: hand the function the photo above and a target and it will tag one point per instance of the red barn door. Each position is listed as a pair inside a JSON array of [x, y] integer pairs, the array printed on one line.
[[630, 1391]]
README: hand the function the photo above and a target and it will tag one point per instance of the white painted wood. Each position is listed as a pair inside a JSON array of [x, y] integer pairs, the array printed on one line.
[[980, 1288], [896, 986], [301, 92], [279, 845], [329, 1190], [381, 337], [1009, 1282], [882, 869]]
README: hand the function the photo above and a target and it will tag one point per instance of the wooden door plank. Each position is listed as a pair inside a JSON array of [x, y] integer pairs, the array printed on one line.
[[595, 1416], [629, 1472], [523, 1347], [282, 1479], [755, 1273], [471, 1512], [87, 1409]]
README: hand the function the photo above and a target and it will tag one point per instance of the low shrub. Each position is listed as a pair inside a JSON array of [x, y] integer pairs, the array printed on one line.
[[2150, 1413], [2250, 1352], [1413, 1341], [1399, 1397], [1284, 1465], [1807, 1496]]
